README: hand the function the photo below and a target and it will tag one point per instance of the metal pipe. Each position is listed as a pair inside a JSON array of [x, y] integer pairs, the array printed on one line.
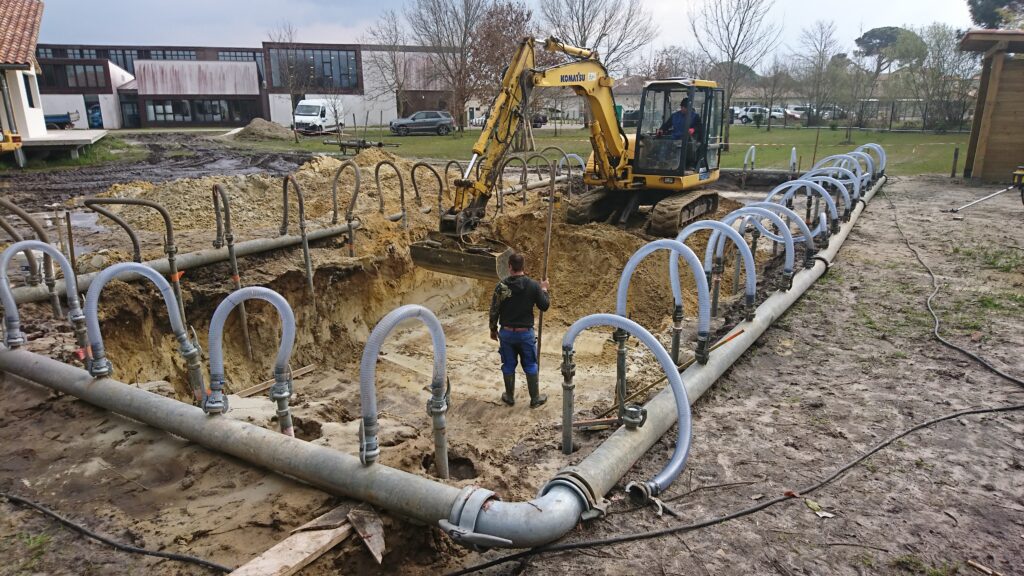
[[132, 236], [41, 235], [192, 260], [13, 337], [472, 516], [71, 242], [547, 238], [215, 402], [226, 236], [169, 247], [100, 365], [34, 277], [307, 260], [369, 448]]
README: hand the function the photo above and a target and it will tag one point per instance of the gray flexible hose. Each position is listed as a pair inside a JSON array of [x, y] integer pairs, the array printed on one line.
[[741, 245], [369, 448], [842, 174], [282, 388], [703, 294], [677, 462], [808, 236], [12, 320], [100, 365], [752, 214], [882, 159], [843, 191]]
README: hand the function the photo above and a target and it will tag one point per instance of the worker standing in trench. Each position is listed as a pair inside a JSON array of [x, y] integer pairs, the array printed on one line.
[[512, 306]]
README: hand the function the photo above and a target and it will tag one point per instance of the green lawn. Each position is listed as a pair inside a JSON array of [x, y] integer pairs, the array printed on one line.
[[908, 153]]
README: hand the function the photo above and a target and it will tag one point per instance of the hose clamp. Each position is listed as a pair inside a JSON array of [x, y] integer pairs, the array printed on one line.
[[369, 450], [460, 525], [594, 505]]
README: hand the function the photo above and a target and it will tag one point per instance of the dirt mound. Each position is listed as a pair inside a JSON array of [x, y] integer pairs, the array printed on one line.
[[586, 261], [257, 201], [260, 129]]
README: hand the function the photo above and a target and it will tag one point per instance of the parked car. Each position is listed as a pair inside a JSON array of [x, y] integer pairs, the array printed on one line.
[[426, 121], [630, 118], [317, 116], [748, 114], [539, 120]]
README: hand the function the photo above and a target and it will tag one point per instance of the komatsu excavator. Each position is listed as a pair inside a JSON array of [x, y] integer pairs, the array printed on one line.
[[659, 165]]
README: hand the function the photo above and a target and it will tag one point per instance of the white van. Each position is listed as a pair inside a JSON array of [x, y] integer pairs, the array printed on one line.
[[317, 116]]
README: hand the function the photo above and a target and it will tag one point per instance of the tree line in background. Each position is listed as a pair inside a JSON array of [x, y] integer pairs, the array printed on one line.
[[889, 76]]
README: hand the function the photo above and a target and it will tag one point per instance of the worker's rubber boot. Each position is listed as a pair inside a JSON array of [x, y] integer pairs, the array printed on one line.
[[533, 385], [509, 397]]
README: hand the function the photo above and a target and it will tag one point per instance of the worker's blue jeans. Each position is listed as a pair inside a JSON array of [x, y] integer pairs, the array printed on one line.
[[518, 347]]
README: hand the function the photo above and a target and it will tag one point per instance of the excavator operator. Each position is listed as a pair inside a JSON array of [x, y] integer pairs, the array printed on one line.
[[677, 121]]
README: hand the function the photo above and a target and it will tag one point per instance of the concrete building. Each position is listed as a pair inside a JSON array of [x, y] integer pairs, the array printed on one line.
[[149, 86]]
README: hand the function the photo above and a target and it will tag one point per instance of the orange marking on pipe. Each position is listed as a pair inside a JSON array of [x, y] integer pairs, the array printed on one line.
[[177, 277]]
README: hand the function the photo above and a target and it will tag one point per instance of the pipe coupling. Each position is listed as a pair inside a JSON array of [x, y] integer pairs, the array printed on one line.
[[460, 525], [749, 307], [369, 449], [835, 226], [437, 404], [702, 353], [568, 366], [14, 337], [643, 492], [634, 416], [787, 277], [100, 367], [170, 250], [677, 317]]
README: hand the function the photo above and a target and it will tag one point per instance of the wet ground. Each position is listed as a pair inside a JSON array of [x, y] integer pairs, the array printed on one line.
[[171, 156]]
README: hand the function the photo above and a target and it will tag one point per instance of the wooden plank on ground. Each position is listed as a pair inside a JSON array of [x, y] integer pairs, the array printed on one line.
[[265, 385], [300, 549]]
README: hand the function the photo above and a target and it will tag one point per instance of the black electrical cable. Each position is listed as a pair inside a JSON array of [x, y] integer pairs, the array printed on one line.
[[788, 495], [122, 547]]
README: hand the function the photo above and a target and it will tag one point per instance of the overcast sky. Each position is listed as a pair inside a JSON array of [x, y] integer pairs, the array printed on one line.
[[246, 22]]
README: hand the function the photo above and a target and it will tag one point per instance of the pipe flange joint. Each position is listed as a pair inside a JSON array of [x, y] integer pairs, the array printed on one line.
[[620, 336], [643, 492], [460, 525], [282, 389], [437, 405], [702, 354], [215, 402], [75, 315], [634, 416], [568, 365]]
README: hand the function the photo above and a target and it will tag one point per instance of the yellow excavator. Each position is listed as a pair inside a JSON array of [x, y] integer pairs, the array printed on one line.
[[663, 165]]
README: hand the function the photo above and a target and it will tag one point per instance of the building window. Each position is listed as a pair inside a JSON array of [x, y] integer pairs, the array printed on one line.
[[28, 90], [242, 56], [314, 68], [202, 111], [173, 54], [44, 52], [82, 53], [85, 76], [124, 58]]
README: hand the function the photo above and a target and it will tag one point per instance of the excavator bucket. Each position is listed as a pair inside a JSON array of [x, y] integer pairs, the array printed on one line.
[[486, 260]]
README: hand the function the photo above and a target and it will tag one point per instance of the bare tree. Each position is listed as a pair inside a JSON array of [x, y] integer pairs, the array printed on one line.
[[773, 83], [388, 59], [447, 26], [854, 84], [941, 77], [294, 72], [816, 72], [617, 29], [673, 62], [734, 34]]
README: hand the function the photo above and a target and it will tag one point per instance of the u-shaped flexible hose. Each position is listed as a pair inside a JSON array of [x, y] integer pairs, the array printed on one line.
[[499, 182], [100, 365], [33, 268], [334, 189], [790, 188], [281, 391], [400, 216], [677, 462], [12, 320], [416, 189], [42, 236], [716, 244], [225, 235], [306, 258], [840, 186], [132, 236], [744, 250], [880, 165], [869, 174], [844, 175], [437, 406], [703, 301]]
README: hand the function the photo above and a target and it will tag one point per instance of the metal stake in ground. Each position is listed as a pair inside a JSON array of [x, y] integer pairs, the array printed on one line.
[[226, 237]]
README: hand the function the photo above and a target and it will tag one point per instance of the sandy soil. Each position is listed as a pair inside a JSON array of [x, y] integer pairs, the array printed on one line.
[[846, 367]]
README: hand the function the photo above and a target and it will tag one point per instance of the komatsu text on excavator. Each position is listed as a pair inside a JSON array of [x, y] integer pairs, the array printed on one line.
[[673, 154]]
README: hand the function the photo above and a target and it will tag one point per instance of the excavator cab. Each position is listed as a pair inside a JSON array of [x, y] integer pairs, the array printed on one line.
[[677, 134]]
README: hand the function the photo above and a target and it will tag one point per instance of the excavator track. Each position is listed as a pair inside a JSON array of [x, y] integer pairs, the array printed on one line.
[[593, 206], [675, 212]]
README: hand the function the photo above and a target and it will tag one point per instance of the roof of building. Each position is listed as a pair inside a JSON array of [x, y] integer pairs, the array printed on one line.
[[985, 40], [19, 32]]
